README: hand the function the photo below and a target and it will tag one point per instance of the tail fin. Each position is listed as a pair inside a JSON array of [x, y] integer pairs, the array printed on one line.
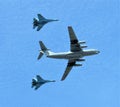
[[43, 50], [35, 20], [35, 23], [33, 83], [40, 55], [43, 47]]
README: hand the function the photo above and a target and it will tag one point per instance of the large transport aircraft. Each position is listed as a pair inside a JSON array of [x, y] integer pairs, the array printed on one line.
[[75, 54]]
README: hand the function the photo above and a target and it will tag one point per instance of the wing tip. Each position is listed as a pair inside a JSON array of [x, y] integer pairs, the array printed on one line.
[[69, 27], [39, 14], [62, 79]]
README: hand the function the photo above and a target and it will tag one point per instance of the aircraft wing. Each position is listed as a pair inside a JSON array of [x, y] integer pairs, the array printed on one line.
[[39, 78], [68, 68], [40, 17], [39, 27], [74, 45], [37, 86]]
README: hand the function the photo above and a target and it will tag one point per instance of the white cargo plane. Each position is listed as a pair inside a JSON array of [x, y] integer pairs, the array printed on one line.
[[75, 54]]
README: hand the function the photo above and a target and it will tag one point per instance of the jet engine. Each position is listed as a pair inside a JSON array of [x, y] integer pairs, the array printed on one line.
[[35, 23], [34, 82], [80, 60], [77, 65], [83, 46], [81, 42]]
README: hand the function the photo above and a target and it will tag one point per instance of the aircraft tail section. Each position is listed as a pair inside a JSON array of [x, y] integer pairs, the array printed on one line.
[[44, 50], [35, 23], [43, 47], [34, 82], [40, 55]]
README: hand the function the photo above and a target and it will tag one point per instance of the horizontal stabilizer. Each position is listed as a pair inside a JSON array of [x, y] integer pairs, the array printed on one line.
[[40, 55], [43, 47], [33, 83], [35, 22]]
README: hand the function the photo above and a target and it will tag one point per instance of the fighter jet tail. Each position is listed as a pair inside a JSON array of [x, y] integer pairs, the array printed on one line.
[[33, 83], [35, 22]]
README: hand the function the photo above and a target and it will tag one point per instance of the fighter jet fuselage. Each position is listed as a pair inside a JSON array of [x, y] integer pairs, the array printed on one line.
[[40, 22], [39, 81]]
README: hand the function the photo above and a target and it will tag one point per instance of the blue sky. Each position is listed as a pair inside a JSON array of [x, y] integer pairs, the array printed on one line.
[[95, 84]]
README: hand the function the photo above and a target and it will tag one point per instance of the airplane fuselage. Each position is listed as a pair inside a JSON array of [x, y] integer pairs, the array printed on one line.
[[73, 55], [44, 21]]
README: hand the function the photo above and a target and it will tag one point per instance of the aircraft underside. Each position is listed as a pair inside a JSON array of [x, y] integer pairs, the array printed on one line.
[[73, 56], [66, 56]]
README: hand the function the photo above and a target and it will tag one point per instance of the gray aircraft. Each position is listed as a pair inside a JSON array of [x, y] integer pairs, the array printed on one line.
[[39, 81], [41, 22], [75, 54]]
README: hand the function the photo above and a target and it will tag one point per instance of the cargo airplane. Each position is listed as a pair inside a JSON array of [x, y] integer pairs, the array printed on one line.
[[75, 54]]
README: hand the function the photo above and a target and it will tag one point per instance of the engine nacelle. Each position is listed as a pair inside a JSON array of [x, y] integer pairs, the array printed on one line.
[[81, 42], [77, 65], [83, 46], [80, 60]]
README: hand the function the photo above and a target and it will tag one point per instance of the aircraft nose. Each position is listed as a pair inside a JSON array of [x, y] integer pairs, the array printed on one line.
[[53, 81], [56, 20]]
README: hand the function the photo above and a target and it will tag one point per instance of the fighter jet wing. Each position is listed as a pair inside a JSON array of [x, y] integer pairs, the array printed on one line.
[[74, 45], [37, 86], [68, 68], [39, 78], [39, 27], [40, 17]]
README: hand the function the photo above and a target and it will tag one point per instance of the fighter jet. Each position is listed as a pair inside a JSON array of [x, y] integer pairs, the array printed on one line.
[[39, 81], [41, 22], [75, 54]]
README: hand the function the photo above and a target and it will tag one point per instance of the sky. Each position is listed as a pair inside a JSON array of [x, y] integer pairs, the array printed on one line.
[[95, 84]]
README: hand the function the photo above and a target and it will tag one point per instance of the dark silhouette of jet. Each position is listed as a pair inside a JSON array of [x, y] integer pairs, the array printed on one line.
[[41, 22], [39, 81]]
